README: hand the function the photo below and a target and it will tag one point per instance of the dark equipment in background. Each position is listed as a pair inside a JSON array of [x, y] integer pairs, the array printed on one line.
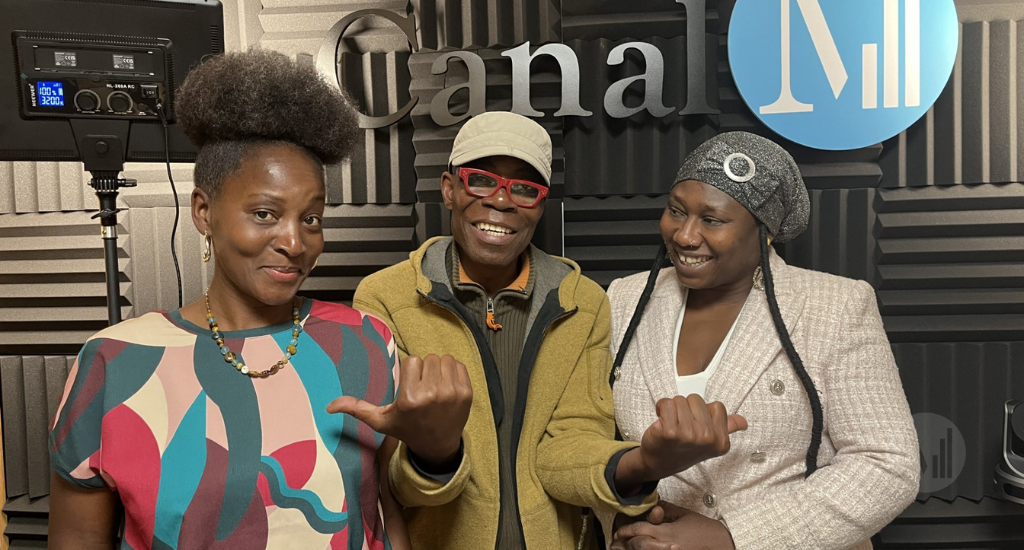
[[1010, 474], [94, 81]]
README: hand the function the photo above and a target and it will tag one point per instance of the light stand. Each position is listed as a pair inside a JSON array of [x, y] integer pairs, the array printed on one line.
[[102, 149], [106, 184]]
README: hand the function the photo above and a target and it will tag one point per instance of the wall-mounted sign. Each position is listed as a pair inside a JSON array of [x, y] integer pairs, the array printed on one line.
[[842, 74], [522, 57]]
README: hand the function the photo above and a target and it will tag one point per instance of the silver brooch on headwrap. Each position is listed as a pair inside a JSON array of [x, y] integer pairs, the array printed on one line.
[[751, 168], [757, 173]]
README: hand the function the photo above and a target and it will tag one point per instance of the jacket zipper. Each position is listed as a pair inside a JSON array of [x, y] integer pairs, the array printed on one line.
[[491, 322], [518, 420], [465, 324], [583, 531]]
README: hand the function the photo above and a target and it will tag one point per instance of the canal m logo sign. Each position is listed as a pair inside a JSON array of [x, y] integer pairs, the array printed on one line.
[[839, 74]]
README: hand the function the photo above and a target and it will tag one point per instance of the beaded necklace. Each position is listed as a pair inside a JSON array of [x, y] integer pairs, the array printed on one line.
[[236, 361]]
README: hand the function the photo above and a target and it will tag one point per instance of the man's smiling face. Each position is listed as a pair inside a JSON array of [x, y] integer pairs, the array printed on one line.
[[492, 231]]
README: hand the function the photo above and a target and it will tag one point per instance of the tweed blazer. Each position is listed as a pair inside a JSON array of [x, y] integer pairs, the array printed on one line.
[[868, 462]]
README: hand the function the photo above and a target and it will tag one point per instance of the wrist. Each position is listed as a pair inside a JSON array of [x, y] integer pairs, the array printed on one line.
[[645, 467], [438, 457], [632, 473]]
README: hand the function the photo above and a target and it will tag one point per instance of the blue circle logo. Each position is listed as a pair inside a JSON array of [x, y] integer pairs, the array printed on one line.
[[842, 74]]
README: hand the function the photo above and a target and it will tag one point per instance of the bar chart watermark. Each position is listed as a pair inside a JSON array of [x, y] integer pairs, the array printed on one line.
[[943, 451]]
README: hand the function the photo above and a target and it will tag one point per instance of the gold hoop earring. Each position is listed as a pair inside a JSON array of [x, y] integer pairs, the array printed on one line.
[[316, 261], [207, 247]]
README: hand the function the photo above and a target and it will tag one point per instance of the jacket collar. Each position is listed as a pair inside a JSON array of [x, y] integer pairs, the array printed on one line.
[[554, 277], [551, 272], [521, 287], [753, 347]]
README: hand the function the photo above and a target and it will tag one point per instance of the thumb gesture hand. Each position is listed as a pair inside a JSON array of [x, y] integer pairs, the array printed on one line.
[[373, 416]]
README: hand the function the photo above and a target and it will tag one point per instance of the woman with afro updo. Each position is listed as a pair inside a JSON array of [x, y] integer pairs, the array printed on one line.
[[207, 427]]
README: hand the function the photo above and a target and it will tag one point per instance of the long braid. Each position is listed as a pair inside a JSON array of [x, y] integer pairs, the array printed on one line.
[[634, 321], [794, 357]]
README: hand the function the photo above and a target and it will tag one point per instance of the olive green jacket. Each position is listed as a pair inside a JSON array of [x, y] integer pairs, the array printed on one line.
[[565, 419]]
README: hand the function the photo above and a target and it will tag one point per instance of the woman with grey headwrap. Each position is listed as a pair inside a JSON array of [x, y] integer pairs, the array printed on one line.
[[831, 454]]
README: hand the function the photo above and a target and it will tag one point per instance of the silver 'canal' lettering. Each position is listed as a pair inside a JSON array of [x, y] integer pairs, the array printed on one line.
[[653, 78], [331, 48], [521, 57], [570, 67], [476, 85]]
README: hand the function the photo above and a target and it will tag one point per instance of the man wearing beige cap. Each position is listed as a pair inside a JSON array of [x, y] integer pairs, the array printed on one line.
[[538, 452]]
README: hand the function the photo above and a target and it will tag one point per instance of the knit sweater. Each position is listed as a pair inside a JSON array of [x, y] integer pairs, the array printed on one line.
[[511, 312]]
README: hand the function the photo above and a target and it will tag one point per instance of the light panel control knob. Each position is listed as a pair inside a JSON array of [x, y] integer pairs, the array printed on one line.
[[120, 102], [87, 100]]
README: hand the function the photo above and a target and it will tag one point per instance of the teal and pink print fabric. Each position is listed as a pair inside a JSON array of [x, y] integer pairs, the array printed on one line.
[[204, 457]]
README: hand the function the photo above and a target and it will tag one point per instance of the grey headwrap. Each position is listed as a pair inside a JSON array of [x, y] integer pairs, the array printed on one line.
[[759, 174]]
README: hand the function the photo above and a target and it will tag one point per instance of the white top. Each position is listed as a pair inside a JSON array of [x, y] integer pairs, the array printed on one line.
[[698, 383]]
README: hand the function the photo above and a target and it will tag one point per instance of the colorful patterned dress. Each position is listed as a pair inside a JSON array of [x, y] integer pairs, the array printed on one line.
[[204, 457]]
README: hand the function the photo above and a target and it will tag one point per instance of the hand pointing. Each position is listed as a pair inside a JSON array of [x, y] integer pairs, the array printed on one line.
[[429, 413], [687, 431]]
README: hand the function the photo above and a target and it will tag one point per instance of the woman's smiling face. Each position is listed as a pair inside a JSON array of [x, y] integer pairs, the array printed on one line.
[[711, 238], [266, 223]]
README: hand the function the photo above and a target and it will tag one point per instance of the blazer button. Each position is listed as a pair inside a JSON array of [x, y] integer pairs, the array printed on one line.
[[710, 500], [777, 387]]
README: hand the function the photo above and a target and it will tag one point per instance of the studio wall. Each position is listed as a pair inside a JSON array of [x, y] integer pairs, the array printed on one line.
[[933, 219]]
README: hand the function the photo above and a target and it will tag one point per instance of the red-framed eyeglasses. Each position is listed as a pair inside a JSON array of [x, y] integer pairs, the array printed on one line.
[[483, 184]]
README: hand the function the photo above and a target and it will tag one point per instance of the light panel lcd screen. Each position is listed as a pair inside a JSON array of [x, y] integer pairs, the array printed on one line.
[[51, 94]]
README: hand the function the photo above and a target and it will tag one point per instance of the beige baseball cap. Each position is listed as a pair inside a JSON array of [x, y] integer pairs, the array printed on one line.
[[503, 133]]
